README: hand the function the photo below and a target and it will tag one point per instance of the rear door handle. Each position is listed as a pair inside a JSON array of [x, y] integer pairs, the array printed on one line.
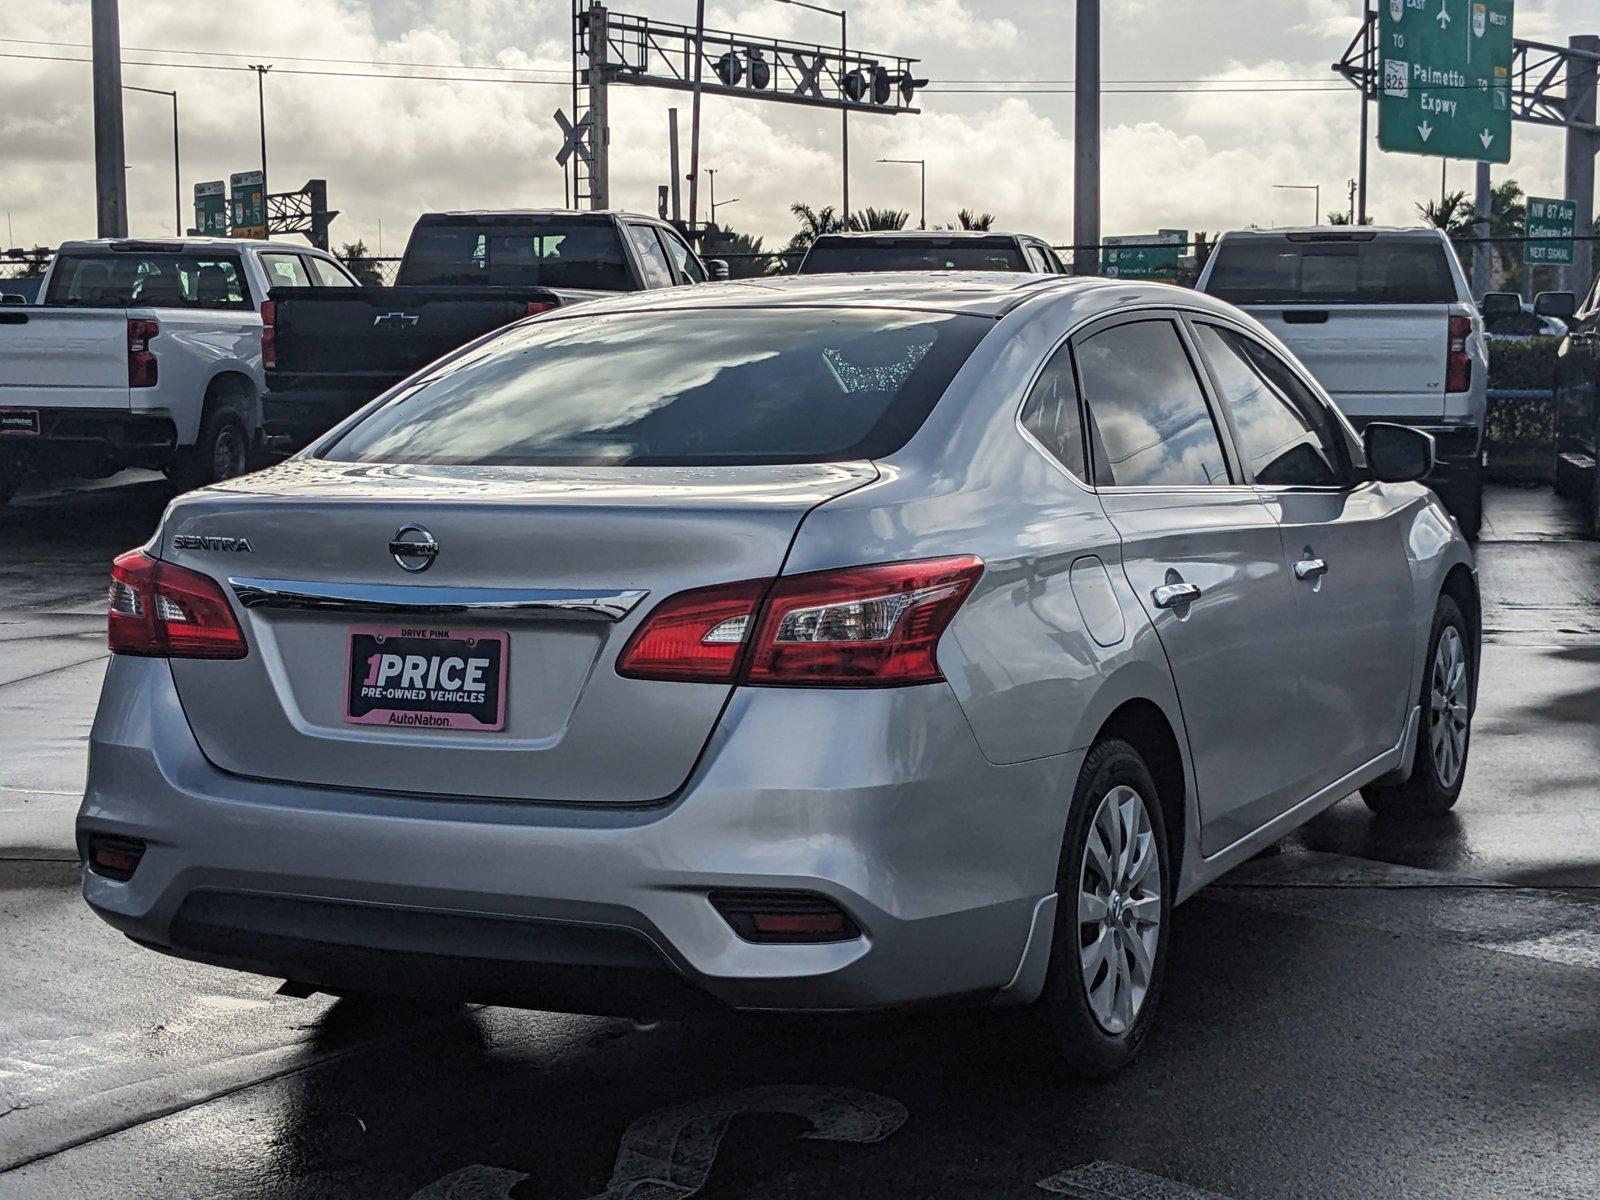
[[1171, 595], [1310, 568]]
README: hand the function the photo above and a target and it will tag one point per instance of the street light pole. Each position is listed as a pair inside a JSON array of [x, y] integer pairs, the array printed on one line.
[[1316, 216], [844, 116], [922, 222], [261, 70], [177, 169]]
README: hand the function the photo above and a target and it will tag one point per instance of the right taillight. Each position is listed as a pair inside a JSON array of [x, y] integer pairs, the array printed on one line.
[[142, 368], [870, 626], [158, 610], [1458, 363], [269, 333]]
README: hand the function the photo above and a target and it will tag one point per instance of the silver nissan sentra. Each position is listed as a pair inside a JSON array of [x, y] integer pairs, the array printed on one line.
[[818, 644]]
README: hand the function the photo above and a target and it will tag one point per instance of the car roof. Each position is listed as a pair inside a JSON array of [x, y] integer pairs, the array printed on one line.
[[187, 243], [912, 235], [975, 293], [1336, 232], [567, 213]]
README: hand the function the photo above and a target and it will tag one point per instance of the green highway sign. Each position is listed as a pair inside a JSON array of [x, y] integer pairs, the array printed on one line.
[[1444, 84], [211, 208], [249, 195], [1550, 227], [1144, 256]]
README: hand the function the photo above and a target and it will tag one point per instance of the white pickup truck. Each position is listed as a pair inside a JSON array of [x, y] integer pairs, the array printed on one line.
[[143, 353], [1385, 320]]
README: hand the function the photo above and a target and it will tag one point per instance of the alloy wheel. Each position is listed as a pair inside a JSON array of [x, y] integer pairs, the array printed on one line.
[[227, 454], [1119, 909], [1447, 708]]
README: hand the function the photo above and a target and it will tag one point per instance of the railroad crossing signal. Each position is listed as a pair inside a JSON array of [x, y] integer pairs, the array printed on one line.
[[1445, 85], [1551, 227], [575, 138]]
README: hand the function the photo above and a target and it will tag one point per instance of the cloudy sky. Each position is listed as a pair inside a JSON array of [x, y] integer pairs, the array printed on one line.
[[1179, 153]]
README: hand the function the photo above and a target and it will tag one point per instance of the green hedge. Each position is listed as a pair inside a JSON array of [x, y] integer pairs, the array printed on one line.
[[1521, 430]]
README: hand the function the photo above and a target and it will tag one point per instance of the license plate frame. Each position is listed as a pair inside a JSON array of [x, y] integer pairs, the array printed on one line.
[[385, 685], [20, 422]]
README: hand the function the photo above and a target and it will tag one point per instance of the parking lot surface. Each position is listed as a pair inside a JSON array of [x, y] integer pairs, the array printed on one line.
[[1367, 1009]]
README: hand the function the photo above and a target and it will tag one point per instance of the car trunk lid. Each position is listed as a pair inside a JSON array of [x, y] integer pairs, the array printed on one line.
[[564, 562]]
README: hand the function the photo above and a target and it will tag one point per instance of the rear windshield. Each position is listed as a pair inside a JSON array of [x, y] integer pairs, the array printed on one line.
[[123, 278], [677, 389], [827, 258], [549, 254], [1380, 271]]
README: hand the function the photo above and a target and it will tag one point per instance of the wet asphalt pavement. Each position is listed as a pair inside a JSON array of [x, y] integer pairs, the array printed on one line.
[[1367, 1010]]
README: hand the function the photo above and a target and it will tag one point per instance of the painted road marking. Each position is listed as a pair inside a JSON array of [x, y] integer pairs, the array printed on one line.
[[1100, 1180]]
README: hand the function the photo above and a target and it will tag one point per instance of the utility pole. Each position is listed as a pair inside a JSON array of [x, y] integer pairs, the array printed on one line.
[[1582, 146], [844, 119], [110, 155], [711, 174], [599, 108], [672, 154], [1352, 185], [1483, 252], [1086, 143], [261, 70], [1361, 170], [694, 113]]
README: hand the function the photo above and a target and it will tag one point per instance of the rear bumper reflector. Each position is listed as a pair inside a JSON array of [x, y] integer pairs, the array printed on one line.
[[784, 917]]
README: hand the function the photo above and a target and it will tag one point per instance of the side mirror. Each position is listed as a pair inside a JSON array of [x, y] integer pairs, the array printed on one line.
[[718, 268], [1398, 453], [1561, 305], [1500, 304]]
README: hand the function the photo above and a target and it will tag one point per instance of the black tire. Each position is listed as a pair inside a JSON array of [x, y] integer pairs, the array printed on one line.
[[222, 451], [1430, 792], [1081, 1040]]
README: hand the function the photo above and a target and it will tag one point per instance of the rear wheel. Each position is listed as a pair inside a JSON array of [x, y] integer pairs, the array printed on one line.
[[1439, 767], [222, 451], [1114, 888]]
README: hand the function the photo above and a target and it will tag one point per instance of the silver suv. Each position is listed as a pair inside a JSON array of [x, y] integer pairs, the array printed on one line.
[[801, 644]]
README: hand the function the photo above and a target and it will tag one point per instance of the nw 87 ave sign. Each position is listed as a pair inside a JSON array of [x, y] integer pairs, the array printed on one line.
[[1445, 84]]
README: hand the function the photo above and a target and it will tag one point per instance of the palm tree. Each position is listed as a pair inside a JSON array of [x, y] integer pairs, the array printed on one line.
[[1451, 213], [873, 220], [358, 259], [1343, 218], [813, 224], [966, 219], [1507, 218]]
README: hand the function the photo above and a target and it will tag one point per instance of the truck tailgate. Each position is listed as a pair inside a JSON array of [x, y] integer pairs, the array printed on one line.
[[63, 357], [1374, 360]]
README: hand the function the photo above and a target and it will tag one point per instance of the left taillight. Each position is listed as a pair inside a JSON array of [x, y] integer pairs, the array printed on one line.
[[142, 369], [269, 333], [158, 610], [869, 626], [1458, 363]]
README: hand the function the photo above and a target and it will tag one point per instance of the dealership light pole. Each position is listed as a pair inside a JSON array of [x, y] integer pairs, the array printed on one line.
[[844, 117], [261, 70], [1316, 213], [922, 221], [177, 169], [1086, 143]]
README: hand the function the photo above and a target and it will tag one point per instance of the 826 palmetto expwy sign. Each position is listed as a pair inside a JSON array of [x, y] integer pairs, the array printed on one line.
[[1444, 78]]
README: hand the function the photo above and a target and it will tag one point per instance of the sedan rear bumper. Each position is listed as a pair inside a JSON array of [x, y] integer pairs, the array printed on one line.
[[878, 800]]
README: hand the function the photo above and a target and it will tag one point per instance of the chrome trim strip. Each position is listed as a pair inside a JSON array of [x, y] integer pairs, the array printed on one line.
[[401, 599]]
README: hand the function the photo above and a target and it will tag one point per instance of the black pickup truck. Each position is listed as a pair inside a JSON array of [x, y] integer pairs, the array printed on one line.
[[327, 351], [1578, 408]]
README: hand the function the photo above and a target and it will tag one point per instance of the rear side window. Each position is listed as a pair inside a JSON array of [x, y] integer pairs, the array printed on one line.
[[120, 279], [1376, 271], [688, 266], [677, 389], [547, 254], [1149, 423], [1051, 415], [652, 258], [828, 258], [285, 270], [328, 275], [1280, 436]]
